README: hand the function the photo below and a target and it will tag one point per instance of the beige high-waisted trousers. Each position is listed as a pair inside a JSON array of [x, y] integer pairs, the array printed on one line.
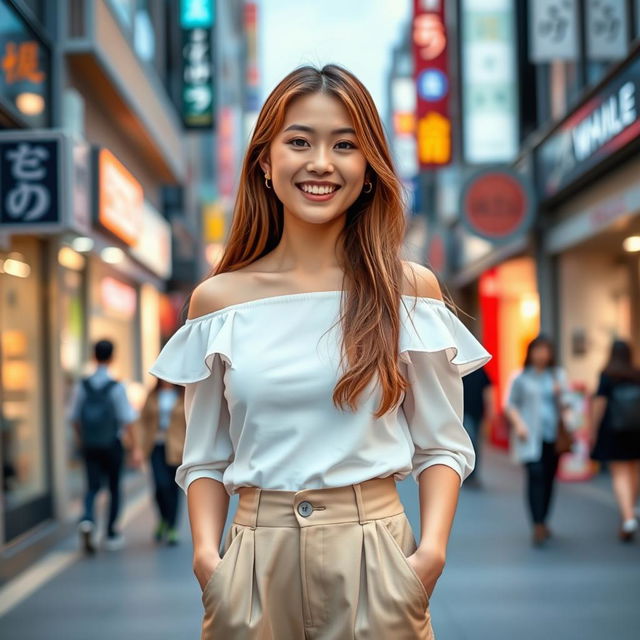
[[318, 564]]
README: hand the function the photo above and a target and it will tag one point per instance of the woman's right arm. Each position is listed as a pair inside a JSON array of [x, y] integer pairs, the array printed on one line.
[[193, 358], [208, 504], [207, 452]]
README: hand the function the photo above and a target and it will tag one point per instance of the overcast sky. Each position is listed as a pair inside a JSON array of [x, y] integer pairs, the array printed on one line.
[[358, 34]]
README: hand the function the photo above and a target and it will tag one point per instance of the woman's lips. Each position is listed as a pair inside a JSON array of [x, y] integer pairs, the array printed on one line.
[[318, 197]]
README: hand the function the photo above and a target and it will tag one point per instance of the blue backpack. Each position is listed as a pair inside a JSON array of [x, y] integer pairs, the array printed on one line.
[[98, 419]]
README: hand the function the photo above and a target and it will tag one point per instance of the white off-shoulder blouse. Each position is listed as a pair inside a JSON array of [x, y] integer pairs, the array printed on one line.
[[259, 377]]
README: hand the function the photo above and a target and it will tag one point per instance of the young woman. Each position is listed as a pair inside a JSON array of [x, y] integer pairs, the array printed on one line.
[[162, 432], [534, 398], [319, 369], [616, 430]]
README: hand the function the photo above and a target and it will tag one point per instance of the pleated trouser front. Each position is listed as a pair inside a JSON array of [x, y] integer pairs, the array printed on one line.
[[318, 564]]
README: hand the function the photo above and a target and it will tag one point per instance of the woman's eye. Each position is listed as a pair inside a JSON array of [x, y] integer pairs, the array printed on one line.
[[297, 140], [352, 146]]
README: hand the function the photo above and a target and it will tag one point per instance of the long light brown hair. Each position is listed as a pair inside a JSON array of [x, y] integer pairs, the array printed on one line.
[[371, 238]]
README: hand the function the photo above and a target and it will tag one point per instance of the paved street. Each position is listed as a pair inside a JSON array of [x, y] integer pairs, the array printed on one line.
[[583, 586]]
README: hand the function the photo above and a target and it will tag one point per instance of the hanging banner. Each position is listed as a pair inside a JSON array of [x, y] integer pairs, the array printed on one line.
[[607, 30], [553, 30], [489, 81], [197, 19], [252, 87], [431, 77]]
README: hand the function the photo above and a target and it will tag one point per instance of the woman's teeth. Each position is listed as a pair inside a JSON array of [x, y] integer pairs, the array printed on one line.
[[318, 190]]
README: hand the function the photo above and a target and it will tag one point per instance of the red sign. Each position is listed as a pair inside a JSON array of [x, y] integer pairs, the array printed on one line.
[[497, 204], [431, 76]]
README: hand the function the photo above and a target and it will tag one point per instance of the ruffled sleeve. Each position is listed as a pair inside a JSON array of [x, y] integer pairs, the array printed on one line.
[[194, 357], [438, 350]]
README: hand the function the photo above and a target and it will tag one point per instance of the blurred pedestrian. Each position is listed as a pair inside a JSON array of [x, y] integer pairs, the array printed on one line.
[[537, 395], [615, 431], [102, 418], [161, 432], [478, 412]]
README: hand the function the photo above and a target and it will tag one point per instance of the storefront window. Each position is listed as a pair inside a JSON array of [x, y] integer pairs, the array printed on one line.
[[24, 453], [72, 332]]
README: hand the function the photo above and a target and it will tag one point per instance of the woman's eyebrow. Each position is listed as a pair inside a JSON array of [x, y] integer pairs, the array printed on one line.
[[302, 127]]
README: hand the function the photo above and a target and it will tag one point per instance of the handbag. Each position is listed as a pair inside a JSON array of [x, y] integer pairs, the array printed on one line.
[[564, 438], [624, 416]]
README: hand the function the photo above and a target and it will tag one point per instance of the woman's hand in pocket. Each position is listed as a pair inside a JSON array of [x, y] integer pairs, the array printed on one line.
[[204, 566], [429, 565]]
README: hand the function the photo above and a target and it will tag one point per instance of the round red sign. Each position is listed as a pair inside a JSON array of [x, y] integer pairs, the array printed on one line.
[[497, 205]]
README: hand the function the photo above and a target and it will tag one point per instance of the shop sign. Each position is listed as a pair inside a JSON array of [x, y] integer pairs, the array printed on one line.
[[252, 83], [497, 204], [604, 124], [38, 182], [489, 81], [607, 29], [29, 181], [403, 107], [553, 31], [197, 19], [24, 69], [153, 248], [119, 198], [431, 77]]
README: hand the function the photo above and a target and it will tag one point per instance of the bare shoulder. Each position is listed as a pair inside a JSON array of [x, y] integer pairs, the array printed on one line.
[[420, 281], [213, 294]]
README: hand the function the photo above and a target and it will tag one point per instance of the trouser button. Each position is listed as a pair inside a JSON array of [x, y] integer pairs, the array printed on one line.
[[305, 509]]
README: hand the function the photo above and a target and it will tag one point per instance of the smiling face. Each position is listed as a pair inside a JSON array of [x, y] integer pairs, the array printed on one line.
[[315, 162]]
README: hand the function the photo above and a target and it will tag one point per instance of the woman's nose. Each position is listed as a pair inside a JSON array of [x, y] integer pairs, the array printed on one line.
[[320, 162]]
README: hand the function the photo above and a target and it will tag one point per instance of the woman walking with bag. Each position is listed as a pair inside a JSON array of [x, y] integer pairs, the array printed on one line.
[[319, 369], [537, 435], [616, 431], [162, 430]]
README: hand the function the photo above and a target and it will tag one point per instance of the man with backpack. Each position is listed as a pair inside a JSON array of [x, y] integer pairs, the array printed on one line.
[[101, 416]]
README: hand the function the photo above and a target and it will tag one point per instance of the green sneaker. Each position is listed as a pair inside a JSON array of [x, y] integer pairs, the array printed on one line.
[[172, 537], [161, 531]]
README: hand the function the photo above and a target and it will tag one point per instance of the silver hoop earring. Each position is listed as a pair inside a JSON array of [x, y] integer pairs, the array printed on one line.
[[370, 189], [266, 177]]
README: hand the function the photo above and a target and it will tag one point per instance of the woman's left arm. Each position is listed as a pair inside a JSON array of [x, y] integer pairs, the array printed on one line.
[[443, 457], [433, 407]]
